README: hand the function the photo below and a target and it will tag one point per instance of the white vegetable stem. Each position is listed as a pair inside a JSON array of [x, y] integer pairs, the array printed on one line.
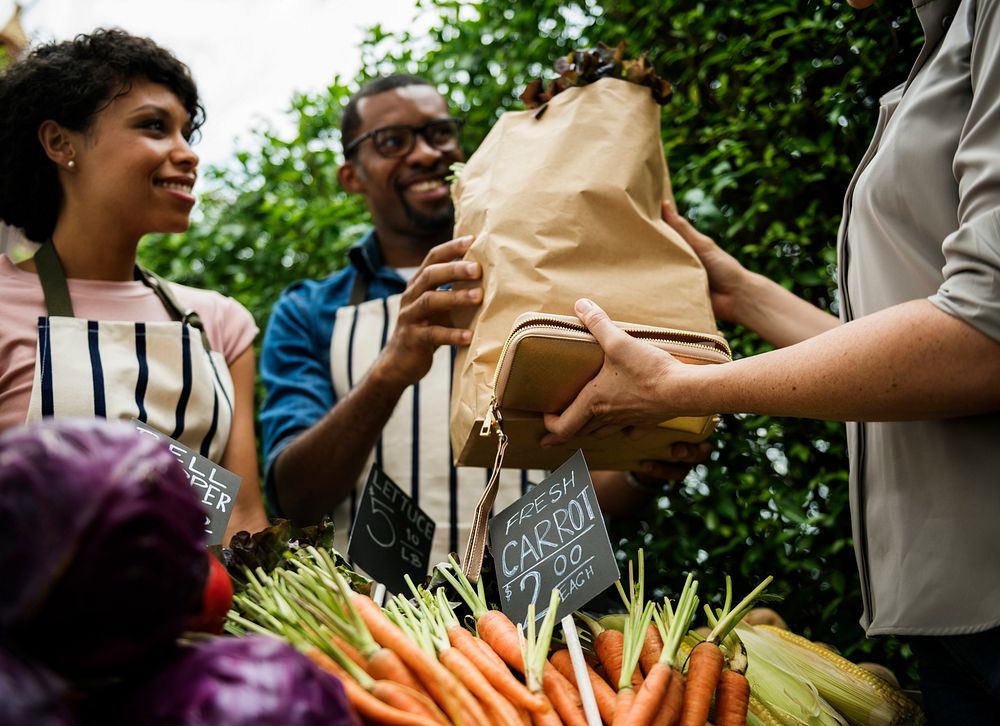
[[580, 671]]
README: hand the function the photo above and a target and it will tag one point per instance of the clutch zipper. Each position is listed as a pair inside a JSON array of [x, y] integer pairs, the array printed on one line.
[[493, 420]]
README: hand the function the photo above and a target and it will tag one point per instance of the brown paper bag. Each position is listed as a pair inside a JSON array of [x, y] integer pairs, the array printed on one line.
[[564, 202]]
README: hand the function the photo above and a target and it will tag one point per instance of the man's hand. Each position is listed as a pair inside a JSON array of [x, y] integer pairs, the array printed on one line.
[[632, 388], [424, 321], [680, 459], [625, 494]]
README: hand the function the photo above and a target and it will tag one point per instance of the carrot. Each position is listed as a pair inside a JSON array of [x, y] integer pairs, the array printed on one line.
[[497, 631], [732, 699], [385, 664], [651, 695], [704, 670], [670, 711], [500, 634], [502, 710], [609, 645], [564, 697], [652, 646], [495, 670], [345, 628], [350, 651], [623, 706], [603, 693], [444, 687], [706, 661], [406, 699], [490, 653], [546, 717], [370, 708], [466, 644], [658, 699]]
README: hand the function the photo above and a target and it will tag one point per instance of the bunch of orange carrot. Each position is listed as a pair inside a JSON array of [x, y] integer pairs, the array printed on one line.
[[641, 677], [414, 662]]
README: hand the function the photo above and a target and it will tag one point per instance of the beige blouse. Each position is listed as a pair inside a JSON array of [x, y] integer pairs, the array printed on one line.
[[922, 220]]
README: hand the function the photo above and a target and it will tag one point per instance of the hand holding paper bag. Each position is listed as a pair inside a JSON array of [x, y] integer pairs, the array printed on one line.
[[565, 202], [424, 323]]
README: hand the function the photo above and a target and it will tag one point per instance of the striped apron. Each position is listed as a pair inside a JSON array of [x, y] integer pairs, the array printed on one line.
[[414, 447], [164, 374]]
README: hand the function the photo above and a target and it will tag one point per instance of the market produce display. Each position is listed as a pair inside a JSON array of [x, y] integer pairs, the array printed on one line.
[[104, 524], [443, 654]]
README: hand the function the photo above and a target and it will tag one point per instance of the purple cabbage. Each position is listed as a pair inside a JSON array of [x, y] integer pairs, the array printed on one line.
[[29, 694], [253, 680], [103, 544]]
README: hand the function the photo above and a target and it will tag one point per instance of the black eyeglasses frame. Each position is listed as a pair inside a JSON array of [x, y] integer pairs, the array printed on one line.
[[414, 129]]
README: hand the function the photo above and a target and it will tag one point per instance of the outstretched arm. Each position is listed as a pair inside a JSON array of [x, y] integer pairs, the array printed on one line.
[[911, 361]]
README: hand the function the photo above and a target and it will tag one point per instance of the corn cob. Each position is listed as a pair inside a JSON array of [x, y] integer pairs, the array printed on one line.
[[759, 715], [861, 697]]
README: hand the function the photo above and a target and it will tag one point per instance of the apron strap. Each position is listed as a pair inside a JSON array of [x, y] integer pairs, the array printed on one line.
[[161, 288], [53, 280], [359, 289], [58, 302]]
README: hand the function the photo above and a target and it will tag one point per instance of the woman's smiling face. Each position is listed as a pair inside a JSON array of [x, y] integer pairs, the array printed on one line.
[[135, 161]]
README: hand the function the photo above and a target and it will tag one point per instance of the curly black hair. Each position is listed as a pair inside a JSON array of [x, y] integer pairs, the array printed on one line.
[[70, 82]]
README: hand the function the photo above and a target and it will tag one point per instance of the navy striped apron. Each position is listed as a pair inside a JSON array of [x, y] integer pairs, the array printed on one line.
[[414, 448], [162, 373]]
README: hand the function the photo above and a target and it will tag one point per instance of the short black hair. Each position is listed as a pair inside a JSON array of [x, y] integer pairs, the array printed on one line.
[[350, 119], [69, 82]]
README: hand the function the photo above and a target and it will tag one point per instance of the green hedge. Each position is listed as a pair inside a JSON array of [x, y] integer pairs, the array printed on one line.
[[774, 104]]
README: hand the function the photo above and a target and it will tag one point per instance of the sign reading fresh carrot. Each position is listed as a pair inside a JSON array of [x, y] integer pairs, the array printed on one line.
[[553, 538]]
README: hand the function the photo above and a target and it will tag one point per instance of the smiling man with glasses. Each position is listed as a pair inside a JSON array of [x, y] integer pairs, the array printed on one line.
[[358, 366]]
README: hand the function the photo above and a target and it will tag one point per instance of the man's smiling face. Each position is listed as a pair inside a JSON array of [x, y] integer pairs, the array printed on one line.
[[408, 194]]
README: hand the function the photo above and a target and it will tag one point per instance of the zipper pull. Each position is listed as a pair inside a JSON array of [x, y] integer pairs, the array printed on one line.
[[492, 419]]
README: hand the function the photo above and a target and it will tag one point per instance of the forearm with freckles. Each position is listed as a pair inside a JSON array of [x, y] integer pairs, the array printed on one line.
[[318, 470], [909, 362]]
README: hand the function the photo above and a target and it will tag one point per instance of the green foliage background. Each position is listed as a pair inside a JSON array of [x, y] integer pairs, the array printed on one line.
[[774, 104]]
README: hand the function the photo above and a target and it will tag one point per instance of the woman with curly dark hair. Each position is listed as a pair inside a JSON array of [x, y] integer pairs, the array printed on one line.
[[95, 153]]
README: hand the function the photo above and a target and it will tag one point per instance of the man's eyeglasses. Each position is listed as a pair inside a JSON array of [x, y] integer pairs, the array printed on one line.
[[397, 141]]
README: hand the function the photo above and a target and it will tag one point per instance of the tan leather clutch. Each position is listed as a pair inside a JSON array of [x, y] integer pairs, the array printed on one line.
[[545, 362]]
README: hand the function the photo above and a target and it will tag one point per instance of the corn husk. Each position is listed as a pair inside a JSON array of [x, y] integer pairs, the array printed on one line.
[[858, 697], [788, 695]]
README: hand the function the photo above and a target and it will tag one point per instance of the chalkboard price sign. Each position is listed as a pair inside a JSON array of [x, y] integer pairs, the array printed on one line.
[[215, 486], [552, 537], [391, 536]]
